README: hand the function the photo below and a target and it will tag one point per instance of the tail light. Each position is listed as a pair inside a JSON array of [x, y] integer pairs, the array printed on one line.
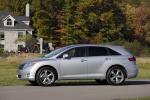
[[132, 59]]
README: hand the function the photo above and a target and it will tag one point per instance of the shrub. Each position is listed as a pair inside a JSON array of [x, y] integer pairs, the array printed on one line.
[[134, 47]]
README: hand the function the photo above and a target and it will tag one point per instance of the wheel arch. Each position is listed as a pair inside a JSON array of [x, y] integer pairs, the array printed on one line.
[[49, 67], [117, 66]]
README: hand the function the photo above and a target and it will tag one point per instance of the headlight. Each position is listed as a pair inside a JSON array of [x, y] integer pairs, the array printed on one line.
[[28, 65]]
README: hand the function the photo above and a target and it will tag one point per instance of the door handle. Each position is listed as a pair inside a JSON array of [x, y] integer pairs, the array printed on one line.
[[83, 60], [108, 58]]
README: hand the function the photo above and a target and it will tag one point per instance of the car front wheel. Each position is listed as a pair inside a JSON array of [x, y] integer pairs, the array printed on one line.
[[115, 76], [46, 76]]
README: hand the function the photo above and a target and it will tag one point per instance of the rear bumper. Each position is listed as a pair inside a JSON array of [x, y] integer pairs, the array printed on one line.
[[132, 72]]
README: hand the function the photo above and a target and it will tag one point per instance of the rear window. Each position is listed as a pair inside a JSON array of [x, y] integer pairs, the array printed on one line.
[[112, 52]]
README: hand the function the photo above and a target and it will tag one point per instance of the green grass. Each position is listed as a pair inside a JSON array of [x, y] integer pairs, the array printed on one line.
[[9, 65]]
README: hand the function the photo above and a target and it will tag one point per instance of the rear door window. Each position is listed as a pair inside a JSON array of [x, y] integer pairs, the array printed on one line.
[[98, 51]]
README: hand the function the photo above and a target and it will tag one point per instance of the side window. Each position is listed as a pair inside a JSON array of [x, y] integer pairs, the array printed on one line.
[[97, 51], [75, 52], [112, 52], [20, 34]]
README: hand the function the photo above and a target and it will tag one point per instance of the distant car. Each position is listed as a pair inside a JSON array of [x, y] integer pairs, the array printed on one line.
[[103, 63]]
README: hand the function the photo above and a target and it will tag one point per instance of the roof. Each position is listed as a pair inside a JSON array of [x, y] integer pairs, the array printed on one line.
[[19, 22]]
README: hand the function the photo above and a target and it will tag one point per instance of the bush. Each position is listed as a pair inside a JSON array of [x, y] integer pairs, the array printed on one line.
[[133, 47]]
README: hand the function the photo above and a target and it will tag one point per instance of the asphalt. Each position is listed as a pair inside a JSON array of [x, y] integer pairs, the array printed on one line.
[[77, 91]]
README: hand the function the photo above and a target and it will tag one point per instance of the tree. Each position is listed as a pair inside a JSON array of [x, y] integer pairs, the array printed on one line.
[[141, 23], [67, 31], [17, 7], [138, 22], [89, 19], [44, 18], [29, 40]]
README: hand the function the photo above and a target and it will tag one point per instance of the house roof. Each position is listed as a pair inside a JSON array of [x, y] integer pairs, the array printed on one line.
[[19, 22]]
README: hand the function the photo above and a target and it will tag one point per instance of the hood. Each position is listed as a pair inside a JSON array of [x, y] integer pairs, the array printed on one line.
[[35, 60]]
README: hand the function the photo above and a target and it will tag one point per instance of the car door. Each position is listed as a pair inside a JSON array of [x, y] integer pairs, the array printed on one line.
[[75, 66], [98, 60]]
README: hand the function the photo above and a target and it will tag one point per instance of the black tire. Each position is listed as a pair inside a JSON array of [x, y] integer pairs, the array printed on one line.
[[34, 83], [115, 76], [103, 82], [46, 76]]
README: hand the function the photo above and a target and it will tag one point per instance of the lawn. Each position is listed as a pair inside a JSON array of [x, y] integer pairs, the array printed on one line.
[[9, 65]]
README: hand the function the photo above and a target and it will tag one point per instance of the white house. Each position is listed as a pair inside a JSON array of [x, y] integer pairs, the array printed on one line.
[[12, 27]]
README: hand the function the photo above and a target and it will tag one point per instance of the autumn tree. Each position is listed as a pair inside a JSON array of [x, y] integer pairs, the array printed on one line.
[[100, 20], [141, 23]]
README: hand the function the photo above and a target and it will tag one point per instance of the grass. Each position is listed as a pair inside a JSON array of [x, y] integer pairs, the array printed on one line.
[[8, 69], [9, 65], [144, 68]]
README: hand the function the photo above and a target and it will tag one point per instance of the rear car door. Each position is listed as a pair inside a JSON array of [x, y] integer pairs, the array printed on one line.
[[98, 59]]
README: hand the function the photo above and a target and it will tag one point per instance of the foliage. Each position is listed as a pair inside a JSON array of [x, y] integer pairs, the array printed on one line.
[[134, 47], [16, 7], [64, 22], [84, 20], [28, 39]]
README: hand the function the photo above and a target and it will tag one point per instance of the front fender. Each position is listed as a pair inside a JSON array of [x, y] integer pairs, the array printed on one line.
[[38, 65]]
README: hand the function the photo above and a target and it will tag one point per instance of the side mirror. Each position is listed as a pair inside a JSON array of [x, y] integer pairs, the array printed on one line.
[[65, 56]]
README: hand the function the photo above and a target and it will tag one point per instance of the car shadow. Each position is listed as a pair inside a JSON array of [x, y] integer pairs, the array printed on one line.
[[136, 82], [93, 83]]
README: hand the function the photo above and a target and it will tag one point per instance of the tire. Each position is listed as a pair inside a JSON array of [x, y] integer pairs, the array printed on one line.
[[34, 83], [46, 76], [115, 76], [103, 82]]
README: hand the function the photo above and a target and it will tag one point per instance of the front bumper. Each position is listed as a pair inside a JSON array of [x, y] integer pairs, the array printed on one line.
[[25, 75]]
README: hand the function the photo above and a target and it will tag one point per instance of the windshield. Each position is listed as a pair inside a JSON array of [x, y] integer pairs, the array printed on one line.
[[53, 53]]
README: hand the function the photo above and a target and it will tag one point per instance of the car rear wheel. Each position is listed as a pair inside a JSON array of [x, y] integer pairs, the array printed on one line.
[[46, 76], [115, 76]]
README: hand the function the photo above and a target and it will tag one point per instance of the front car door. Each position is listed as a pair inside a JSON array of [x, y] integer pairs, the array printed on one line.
[[75, 66]]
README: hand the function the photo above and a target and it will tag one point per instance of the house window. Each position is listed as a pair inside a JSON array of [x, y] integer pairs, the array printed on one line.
[[2, 36], [9, 22], [1, 46], [20, 34], [20, 47]]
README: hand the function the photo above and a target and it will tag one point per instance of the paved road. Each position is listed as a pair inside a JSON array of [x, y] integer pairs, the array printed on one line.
[[77, 91]]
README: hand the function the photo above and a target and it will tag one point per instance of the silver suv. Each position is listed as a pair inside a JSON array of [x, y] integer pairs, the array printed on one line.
[[103, 63]]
